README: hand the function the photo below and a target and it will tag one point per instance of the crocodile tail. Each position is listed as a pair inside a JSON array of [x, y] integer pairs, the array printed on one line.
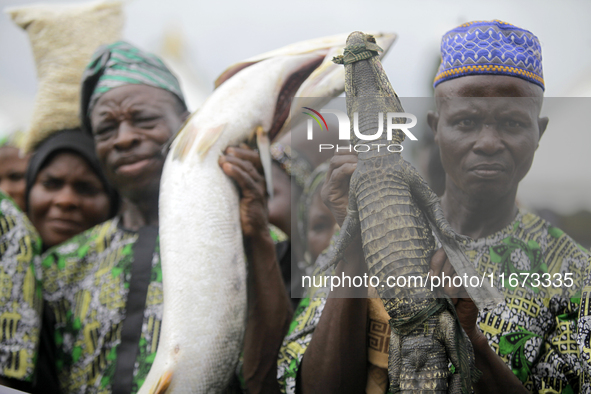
[[339, 242]]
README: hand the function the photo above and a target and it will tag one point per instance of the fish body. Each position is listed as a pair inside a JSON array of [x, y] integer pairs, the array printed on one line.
[[204, 271], [203, 262]]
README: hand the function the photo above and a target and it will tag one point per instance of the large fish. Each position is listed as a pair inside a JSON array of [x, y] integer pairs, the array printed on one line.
[[203, 267]]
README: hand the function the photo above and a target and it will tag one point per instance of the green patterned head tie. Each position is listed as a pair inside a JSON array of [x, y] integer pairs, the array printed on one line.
[[355, 53], [120, 64], [290, 161]]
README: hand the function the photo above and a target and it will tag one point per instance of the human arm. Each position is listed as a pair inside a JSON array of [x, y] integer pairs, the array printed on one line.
[[269, 309], [496, 376], [336, 358]]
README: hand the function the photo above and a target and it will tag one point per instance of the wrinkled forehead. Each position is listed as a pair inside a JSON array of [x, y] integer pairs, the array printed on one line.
[[498, 89], [136, 95]]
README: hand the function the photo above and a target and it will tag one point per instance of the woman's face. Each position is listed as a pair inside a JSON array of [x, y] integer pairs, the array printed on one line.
[[12, 174], [66, 199], [321, 226]]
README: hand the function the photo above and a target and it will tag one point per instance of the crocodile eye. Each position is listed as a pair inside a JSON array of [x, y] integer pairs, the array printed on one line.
[[370, 38]]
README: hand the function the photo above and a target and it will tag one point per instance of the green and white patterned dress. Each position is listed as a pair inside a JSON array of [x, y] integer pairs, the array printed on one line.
[[85, 285]]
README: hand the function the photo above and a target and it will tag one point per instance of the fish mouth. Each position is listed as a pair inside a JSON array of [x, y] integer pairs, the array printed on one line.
[[288, 91]]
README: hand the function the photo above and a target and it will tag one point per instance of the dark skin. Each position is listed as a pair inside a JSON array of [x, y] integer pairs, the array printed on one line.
[[280, 204], [66, 199], [336, 359], [269, 308], [131, 124], [12, 174], [487, 147]]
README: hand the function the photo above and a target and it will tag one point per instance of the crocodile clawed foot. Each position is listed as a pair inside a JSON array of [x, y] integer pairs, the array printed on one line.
[[462, 238]]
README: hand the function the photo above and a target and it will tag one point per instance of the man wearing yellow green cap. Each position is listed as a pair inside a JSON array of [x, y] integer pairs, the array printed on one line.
[[489, 92], [104, 286]]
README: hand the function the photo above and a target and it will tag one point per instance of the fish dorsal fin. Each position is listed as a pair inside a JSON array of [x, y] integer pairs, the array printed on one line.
[[208, 137], [184, 141], [202, 138]]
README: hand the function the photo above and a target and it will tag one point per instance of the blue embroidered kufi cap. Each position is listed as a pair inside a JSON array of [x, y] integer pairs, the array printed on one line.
[[490, 47]]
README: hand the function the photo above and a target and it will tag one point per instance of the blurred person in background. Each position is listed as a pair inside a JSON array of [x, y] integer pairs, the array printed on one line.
[[316, 224], [294, 158], [289, 171], [12, 168]]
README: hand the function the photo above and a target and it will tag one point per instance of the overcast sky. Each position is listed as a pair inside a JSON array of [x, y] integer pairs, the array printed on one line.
[[219, 33]]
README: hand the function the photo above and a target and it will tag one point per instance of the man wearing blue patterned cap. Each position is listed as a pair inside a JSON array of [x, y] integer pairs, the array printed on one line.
[[489, 92], [104, 287]]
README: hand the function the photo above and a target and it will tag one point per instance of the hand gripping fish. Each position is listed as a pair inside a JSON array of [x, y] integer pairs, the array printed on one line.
[[203, 267], [395, 211]]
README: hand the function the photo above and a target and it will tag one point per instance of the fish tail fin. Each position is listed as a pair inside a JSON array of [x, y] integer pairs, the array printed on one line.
[[162, 384], [203, 139]]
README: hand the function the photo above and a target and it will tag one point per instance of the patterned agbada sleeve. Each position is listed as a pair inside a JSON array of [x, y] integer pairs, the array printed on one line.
[[536, 332], [299, 336], [584, 327], [20, 293]]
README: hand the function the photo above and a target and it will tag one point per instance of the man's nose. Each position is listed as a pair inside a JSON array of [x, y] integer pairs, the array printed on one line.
[[66, 198], [489, 140], [127, 136]]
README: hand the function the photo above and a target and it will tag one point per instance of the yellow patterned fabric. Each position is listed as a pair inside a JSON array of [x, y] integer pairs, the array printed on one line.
[[20, 292], [85, 285], [378, 344], [545, 338]]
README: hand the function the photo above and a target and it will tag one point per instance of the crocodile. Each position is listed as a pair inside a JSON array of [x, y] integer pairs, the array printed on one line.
[[397, 213]]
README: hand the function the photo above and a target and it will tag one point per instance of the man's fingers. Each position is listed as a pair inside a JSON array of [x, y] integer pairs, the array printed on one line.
[[245, 181], [244, 164], [345, 152], [245, 153], [338, 160]]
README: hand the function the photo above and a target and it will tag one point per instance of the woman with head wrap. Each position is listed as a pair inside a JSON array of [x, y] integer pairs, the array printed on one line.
[[66, 190]]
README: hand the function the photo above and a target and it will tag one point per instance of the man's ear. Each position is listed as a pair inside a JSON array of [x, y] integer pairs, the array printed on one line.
[[184, 116], [433, 120], [542, 124]]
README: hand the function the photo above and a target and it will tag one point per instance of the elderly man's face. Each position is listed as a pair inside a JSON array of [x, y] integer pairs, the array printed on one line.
[[487, 128], [130, 125]]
